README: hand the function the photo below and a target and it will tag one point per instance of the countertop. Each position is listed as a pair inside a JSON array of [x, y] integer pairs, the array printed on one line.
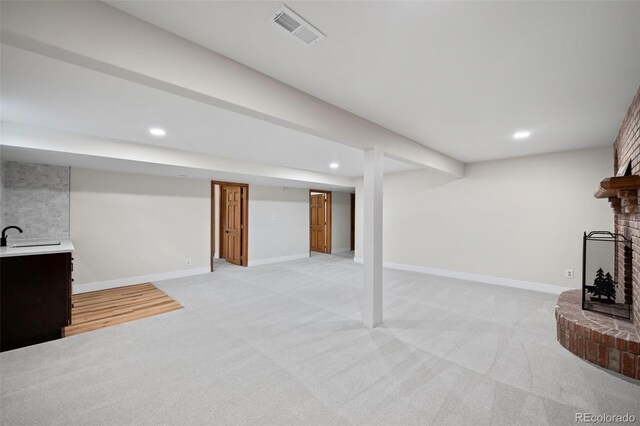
[[66, 246]]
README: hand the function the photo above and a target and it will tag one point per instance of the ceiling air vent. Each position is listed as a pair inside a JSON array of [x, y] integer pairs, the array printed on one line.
[[287, 20]]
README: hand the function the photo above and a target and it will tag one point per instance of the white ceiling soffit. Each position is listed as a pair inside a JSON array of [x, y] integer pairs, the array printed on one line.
[[458, 77], [39, 156], [61, 144], [40, 91]]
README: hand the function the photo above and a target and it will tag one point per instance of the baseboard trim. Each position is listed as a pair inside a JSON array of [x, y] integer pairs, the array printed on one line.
[[121, 282], [486, 279], [277, 259]]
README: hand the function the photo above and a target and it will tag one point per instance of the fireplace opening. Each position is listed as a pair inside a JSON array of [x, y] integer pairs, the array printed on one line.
[[606, 274]]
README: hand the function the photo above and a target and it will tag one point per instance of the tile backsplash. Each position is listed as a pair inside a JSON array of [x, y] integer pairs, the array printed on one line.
[[35, 197]]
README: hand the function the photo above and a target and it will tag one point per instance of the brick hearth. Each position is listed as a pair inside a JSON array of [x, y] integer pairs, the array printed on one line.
[[608, 342]]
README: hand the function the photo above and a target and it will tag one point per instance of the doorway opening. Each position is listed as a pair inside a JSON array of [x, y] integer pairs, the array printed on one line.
[[229, 222], [320, 221]]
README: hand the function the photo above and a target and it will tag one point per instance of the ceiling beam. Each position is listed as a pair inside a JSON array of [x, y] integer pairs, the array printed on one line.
[[100, 37], [108, 152]]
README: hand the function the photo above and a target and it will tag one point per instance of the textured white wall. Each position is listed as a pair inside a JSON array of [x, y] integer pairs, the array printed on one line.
[[340, 221], [128, 225], [35, 198], [519, 218], [278, 223]]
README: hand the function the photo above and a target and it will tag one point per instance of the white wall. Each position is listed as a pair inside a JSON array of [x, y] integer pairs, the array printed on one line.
[[518, 218], [278, 224], [340, 221], [129, 225]]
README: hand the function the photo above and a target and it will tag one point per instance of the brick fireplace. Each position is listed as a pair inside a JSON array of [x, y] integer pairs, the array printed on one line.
[[601, 339]]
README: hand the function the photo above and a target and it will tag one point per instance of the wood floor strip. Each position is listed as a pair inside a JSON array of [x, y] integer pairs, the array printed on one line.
[[111, 293], [114, 312], [95, 325], [105, 308], [123, 302]]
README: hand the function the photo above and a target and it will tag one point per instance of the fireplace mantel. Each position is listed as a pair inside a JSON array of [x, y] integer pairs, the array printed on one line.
[[622, 192]]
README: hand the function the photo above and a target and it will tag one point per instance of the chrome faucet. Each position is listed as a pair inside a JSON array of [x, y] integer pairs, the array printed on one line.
[[3, 241]]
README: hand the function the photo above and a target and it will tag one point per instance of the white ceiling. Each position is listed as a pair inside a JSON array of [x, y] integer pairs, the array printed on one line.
[[45, 92], [458, 77]]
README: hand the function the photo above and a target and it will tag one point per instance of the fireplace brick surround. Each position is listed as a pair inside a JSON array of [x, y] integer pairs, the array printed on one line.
[[600, 339], [626, 150]]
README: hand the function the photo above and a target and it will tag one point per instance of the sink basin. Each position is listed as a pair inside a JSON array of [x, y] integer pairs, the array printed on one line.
[[36, 244]]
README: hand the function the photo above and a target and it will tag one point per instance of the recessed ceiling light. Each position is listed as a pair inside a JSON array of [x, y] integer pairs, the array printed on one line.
[[334, 165], [522, 134], [157, 131]]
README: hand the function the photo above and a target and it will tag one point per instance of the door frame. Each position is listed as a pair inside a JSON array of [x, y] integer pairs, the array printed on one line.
[[244, 241], [352, 220], [327, 230]]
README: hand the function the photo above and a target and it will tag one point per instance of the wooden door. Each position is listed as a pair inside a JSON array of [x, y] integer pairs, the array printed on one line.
[[232, 224], [318, 223], [232, 228]]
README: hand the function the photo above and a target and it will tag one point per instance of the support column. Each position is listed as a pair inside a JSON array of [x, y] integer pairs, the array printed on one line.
[[372, 247]]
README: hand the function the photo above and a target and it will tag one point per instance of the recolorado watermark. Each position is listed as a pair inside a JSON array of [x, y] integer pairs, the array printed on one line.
[[605, 418]]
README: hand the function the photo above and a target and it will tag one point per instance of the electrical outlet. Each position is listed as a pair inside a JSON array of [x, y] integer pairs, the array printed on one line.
[[569, 273], [188, 261]]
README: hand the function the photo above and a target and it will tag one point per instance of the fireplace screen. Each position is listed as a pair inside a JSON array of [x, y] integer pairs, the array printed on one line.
[[606, 274]]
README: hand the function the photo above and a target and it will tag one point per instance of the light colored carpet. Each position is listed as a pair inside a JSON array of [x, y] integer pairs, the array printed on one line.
[[283, 344]]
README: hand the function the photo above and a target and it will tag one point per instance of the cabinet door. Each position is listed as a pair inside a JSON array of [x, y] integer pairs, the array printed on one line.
[[69, 292], [34, 298]]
